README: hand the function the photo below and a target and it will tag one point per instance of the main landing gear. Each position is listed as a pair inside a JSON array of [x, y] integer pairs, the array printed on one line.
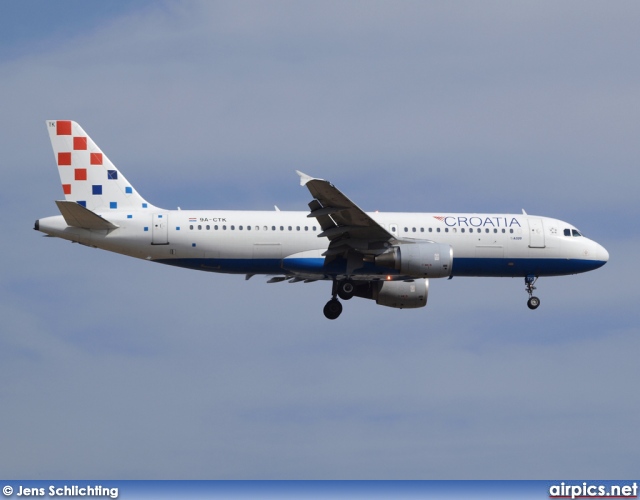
[[332, 309], [344, 289], [533, 302]]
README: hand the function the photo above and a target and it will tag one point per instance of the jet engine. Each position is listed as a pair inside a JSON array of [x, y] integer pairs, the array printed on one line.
[[402, 294], [399, 294], [420, 260]]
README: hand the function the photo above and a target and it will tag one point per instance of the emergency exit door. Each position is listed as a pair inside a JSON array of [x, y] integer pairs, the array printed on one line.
[[160, 229]]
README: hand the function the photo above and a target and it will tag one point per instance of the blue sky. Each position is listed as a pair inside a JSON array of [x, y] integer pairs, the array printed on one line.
[[118, 368]]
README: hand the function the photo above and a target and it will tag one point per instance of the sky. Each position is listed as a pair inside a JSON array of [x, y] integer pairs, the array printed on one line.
[[115, 368]]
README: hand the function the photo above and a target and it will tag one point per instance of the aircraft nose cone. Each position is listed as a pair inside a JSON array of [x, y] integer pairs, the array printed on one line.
[[602, 254]]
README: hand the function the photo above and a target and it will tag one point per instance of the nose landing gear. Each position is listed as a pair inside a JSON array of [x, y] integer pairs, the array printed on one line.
[[533, 302]]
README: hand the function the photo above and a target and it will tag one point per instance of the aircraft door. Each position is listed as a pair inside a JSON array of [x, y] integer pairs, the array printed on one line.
[[536, 233], [160, 229]]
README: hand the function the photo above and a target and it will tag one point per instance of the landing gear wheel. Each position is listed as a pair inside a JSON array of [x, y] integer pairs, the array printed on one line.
[[346, 290], [332, 309], [533, 302]]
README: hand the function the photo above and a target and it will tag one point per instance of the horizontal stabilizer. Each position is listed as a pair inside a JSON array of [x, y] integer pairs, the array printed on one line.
[[78, 216]]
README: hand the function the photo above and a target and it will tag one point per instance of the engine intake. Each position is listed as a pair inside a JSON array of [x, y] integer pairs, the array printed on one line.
[[419, 260]]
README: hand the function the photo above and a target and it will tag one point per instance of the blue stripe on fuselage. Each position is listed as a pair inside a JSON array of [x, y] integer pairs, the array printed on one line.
[[476, 266], [501, 267]]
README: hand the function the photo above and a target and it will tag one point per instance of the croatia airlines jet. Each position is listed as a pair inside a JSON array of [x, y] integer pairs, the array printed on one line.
[[386, 257]]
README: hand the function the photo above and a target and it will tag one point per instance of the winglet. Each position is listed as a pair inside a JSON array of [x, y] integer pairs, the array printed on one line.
[[304, 178]]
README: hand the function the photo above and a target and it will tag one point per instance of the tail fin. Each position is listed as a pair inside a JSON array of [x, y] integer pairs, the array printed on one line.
[[88, 177]]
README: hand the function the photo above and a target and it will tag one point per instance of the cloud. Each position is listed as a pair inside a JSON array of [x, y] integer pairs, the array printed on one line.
[[122, 368]]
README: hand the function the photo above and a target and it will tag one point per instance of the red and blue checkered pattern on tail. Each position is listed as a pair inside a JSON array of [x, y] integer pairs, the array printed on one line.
[[87, 175]]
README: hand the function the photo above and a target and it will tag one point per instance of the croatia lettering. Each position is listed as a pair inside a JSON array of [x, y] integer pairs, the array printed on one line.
[[478, 221]]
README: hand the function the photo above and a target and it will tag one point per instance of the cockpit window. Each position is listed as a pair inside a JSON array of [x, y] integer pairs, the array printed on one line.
[[572, 232]]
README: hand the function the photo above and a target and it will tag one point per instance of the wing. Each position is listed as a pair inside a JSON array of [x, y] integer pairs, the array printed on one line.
[[353, 235]]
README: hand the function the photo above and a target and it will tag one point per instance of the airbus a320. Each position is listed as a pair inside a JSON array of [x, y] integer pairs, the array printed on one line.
[[385, 257]]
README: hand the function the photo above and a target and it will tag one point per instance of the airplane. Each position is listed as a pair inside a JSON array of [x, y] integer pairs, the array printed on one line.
[[386, 257]]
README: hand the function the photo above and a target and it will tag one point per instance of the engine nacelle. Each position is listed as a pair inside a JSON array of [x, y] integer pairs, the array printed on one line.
[[420, 260], [402, 294]]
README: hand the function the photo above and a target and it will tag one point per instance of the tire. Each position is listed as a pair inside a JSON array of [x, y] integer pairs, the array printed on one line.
[[332, 309], [346, 290], [533, 303]]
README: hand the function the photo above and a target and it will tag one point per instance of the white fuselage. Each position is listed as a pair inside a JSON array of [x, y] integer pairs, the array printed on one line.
[[275, 242]]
